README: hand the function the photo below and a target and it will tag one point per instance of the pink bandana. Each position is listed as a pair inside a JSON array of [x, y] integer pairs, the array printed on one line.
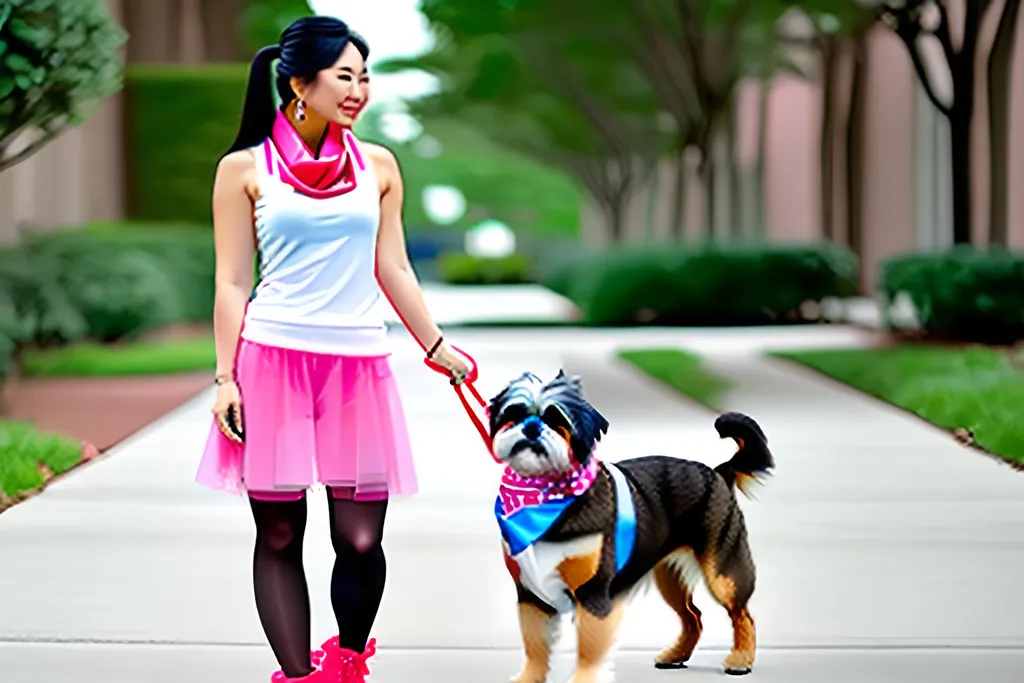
[[330, 175], [518, 492]]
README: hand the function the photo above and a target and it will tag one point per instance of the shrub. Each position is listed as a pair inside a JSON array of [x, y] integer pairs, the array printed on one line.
[[463, 269], [123, 280], [58, 60], [704, 285], [962, 294]]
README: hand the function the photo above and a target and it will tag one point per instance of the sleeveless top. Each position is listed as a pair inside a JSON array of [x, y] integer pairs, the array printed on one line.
[[318, 289]]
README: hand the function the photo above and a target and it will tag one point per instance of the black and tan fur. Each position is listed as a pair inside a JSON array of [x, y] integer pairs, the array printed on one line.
[[689, 526]]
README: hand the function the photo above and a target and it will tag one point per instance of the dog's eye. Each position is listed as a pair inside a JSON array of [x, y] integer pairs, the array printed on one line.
[[516, 413], [556, 419]]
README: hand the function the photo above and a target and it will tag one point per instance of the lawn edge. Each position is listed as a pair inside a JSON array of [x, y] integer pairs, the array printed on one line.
[[728, 384], [88, 453], [1017, 465]]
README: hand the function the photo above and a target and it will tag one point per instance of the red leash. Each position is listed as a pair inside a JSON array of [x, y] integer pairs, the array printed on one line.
[[471, 377]]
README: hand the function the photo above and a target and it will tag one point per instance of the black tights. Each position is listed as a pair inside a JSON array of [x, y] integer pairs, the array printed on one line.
[[282, 596]]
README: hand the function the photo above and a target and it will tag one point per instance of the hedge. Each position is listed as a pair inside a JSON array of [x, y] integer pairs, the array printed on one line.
[[179, 122], [103, 282], [707, 285], [463, 269], [963, 294]]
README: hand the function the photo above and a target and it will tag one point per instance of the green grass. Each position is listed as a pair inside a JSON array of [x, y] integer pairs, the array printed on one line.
[[23, 448], [141, 358], [682, 371], [973, 388]]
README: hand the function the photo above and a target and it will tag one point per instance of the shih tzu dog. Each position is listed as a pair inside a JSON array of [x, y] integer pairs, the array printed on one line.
[[581, 536]]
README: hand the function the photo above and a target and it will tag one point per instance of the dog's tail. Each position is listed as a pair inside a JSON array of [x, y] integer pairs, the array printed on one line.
[[753, 462]]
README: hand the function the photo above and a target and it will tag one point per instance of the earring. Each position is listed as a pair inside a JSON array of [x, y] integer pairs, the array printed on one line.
[[300, 110]]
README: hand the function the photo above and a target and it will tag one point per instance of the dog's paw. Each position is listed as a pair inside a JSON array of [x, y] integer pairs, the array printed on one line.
[[739, 663]]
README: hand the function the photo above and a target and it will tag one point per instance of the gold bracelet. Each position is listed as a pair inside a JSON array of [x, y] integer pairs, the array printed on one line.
[[223, 379]]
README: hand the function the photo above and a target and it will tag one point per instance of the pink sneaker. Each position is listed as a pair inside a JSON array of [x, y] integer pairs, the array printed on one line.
[[316, 676], [346, 666]]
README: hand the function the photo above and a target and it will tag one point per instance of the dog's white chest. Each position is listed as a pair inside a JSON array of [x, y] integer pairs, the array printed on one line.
[[539, 568]]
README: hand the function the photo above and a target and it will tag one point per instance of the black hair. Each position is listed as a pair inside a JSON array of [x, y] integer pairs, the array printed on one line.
[[309, 45]]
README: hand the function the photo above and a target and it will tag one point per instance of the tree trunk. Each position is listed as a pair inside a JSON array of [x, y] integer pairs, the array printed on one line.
[[679, 197], [1000, 66], [735, 227], [854, 157], [828, 142], [710, 167], [614, 214], [960, 146]]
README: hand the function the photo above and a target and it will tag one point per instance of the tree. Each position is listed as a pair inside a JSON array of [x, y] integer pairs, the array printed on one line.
[[59, 59], [1000, 64], [560, 97], [836, 33], [916, 21]]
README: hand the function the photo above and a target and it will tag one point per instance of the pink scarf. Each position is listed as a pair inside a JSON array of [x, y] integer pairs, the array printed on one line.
[[329, 175], [518, 492]]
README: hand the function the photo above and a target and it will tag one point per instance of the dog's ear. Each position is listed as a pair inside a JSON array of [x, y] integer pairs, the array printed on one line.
[[589, 425], [574, 381]]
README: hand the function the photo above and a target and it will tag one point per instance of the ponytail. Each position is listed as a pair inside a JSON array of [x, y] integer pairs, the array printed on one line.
[[258, 112]]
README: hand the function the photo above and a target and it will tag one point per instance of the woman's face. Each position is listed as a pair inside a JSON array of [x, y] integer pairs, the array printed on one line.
[[340, 92]]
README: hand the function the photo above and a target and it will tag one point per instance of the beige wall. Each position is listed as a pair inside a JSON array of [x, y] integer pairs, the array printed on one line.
[[76, 178]]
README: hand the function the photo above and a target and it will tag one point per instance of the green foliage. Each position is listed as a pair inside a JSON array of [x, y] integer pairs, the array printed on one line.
[[977, 389], [964, 293], [58, 60], [105, 282], [264, 20], [560, 97], [704, 285], [682, 371], [90, 359], [23, 449], [123, 281], [180, 121], [463, 269]]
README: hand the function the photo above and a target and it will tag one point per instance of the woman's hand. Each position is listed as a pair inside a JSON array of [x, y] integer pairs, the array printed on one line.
[[451, 360], [228, 407]]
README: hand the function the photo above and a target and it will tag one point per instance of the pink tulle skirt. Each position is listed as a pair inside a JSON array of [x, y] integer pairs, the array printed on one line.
[[313, 418]]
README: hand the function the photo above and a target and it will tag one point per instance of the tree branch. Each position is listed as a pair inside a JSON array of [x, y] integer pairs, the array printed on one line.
[[32, 148]]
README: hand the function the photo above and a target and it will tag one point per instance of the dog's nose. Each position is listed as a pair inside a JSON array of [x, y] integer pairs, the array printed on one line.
[[531, 428]]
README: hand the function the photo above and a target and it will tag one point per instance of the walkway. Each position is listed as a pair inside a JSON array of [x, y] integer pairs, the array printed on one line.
[[885, 552]]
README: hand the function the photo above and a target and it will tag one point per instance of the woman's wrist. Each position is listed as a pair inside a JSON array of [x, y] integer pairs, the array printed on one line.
[[224, 378], [432, 350]]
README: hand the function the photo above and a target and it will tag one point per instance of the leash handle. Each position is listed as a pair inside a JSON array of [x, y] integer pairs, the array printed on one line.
[[468, 383]]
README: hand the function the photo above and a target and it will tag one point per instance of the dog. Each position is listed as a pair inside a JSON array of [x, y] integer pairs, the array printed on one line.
[[582, 537]]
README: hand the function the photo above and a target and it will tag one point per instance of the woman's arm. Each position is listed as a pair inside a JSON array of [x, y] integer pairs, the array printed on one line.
[[395, 273], [235, 248]]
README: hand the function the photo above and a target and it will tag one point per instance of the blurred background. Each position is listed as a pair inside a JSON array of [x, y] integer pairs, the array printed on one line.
[[702, 163]]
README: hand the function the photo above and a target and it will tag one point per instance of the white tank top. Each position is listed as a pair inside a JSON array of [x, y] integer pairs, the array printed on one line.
[[318, 289]]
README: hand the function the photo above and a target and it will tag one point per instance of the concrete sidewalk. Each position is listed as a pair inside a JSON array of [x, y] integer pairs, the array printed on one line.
[[885, 551]]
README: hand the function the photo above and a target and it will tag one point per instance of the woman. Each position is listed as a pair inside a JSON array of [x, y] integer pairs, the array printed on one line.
[[305, 361]]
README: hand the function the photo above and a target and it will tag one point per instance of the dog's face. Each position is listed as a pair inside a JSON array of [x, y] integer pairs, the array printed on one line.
[[541, 429]]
